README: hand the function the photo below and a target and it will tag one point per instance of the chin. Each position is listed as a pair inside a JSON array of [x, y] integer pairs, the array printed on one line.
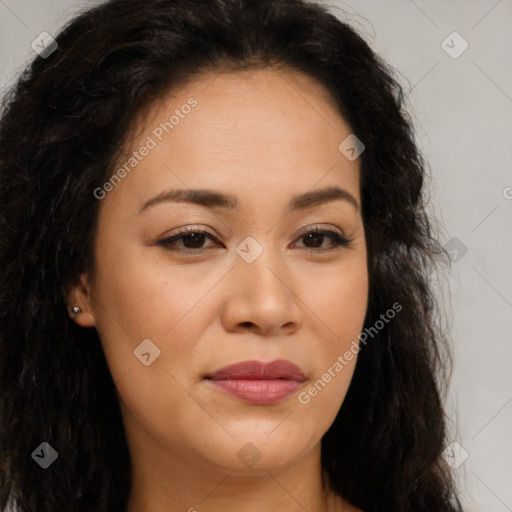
[[259, 449]]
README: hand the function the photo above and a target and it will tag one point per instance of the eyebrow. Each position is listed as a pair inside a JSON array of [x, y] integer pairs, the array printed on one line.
[[212, 199]]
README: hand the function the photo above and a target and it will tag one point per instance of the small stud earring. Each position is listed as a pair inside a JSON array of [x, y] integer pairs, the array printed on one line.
[[76, 310]]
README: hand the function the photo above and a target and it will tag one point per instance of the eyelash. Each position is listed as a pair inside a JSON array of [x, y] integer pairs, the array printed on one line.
[[339, 240]]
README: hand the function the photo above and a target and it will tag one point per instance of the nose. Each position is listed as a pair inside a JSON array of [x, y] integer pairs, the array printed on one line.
[[261, 298]]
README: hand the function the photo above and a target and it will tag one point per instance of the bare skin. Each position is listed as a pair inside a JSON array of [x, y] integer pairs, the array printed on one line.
[[263, 136]]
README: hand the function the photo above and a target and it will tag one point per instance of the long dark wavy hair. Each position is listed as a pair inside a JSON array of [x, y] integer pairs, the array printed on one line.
[[62, 126]]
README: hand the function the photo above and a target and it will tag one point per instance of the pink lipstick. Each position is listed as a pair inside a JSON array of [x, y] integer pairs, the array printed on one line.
[[259, 383]]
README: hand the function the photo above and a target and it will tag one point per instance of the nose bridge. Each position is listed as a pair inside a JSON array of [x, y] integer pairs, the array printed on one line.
[[261, 288], [261, 264]]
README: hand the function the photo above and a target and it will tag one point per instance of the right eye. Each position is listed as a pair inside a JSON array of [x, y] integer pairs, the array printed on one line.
[[192, 239]]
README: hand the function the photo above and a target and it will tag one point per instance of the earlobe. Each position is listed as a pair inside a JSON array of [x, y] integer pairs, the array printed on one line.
[[79, 302], [81, 316]]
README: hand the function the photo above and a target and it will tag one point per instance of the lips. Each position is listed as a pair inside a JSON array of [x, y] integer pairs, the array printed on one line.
[[254, 370], [258, 383]]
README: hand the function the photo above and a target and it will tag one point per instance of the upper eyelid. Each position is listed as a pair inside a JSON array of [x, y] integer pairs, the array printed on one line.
[[206, 231]]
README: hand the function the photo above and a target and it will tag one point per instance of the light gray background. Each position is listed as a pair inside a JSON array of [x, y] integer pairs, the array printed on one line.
[[463, 114]]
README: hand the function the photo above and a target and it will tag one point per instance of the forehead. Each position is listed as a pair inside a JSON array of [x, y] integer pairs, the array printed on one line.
[[250, 130], [251, 107]]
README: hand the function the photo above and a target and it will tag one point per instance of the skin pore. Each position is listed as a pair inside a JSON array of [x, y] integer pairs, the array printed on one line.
[[264, 137]]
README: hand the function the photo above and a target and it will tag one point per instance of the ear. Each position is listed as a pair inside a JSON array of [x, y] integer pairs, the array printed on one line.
[[78, 294]]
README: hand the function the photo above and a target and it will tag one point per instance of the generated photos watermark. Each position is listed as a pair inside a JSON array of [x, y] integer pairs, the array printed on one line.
[[343, 360]]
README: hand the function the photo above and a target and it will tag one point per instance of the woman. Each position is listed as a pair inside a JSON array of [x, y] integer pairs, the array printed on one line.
[[215, 261]]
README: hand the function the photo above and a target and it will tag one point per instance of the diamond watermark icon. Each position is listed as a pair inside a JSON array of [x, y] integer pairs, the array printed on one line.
[[249, 249], [45, 455], [456, 249], [44, 44], [454, 45], [146, 352], [351, 147], [249, 455], [455, 455]]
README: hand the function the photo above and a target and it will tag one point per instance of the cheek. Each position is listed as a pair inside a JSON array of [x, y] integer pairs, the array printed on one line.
[[338, 300], [339, 309], [136, 299], [144, 297]]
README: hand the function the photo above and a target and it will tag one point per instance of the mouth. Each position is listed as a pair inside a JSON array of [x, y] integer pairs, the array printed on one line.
[[257, 382]]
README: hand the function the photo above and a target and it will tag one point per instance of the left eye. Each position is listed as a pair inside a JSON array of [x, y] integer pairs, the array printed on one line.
[[193, 240], [316, 236]]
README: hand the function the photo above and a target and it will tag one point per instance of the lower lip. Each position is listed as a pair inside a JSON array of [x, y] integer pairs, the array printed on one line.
[[259, 392]]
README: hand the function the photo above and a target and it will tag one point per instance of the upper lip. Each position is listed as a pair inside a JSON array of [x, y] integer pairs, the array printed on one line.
[[256, 370]]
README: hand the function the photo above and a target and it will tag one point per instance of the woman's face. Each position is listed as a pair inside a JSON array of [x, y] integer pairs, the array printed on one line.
[[256, 287]]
